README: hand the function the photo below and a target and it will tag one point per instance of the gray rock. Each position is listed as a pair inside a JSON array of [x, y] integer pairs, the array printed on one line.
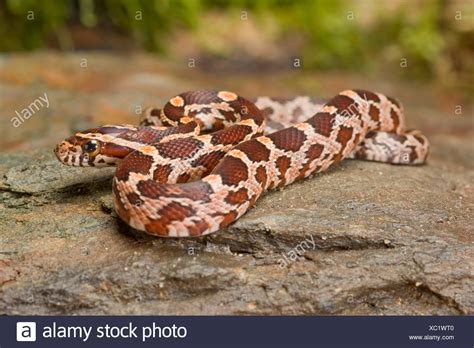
[[363, 238], [379, 240]]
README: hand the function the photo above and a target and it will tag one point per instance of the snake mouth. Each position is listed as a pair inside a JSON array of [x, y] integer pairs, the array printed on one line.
[[61, 152], [70, 154]]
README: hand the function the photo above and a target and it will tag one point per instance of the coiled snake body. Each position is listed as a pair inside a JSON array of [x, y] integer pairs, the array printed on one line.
[[202, 161]]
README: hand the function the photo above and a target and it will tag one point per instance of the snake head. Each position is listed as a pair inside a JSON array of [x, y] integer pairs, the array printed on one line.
[[97, 147]]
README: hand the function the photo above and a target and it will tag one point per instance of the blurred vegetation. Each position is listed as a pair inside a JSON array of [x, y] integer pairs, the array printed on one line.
[[334, 34]]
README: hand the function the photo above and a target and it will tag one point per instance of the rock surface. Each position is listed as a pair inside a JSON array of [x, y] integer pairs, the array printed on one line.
[[363, 238]]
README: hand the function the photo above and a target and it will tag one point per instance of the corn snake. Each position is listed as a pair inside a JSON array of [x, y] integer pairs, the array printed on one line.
[[202, 161]]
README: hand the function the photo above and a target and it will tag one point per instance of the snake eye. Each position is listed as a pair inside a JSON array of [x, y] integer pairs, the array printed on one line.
[[92, 147]]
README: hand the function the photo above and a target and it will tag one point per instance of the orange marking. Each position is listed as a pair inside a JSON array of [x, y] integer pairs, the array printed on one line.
[[186, 119], [147, 150], [177, 101], [227, 96]]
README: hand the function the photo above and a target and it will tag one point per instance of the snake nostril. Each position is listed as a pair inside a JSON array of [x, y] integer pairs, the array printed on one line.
[[59, 150]]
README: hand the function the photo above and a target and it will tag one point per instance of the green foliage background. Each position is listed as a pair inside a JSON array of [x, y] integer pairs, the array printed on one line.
[[432, 42]]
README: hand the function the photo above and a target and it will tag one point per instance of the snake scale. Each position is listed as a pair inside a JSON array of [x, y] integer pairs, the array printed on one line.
[[202, 161]]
